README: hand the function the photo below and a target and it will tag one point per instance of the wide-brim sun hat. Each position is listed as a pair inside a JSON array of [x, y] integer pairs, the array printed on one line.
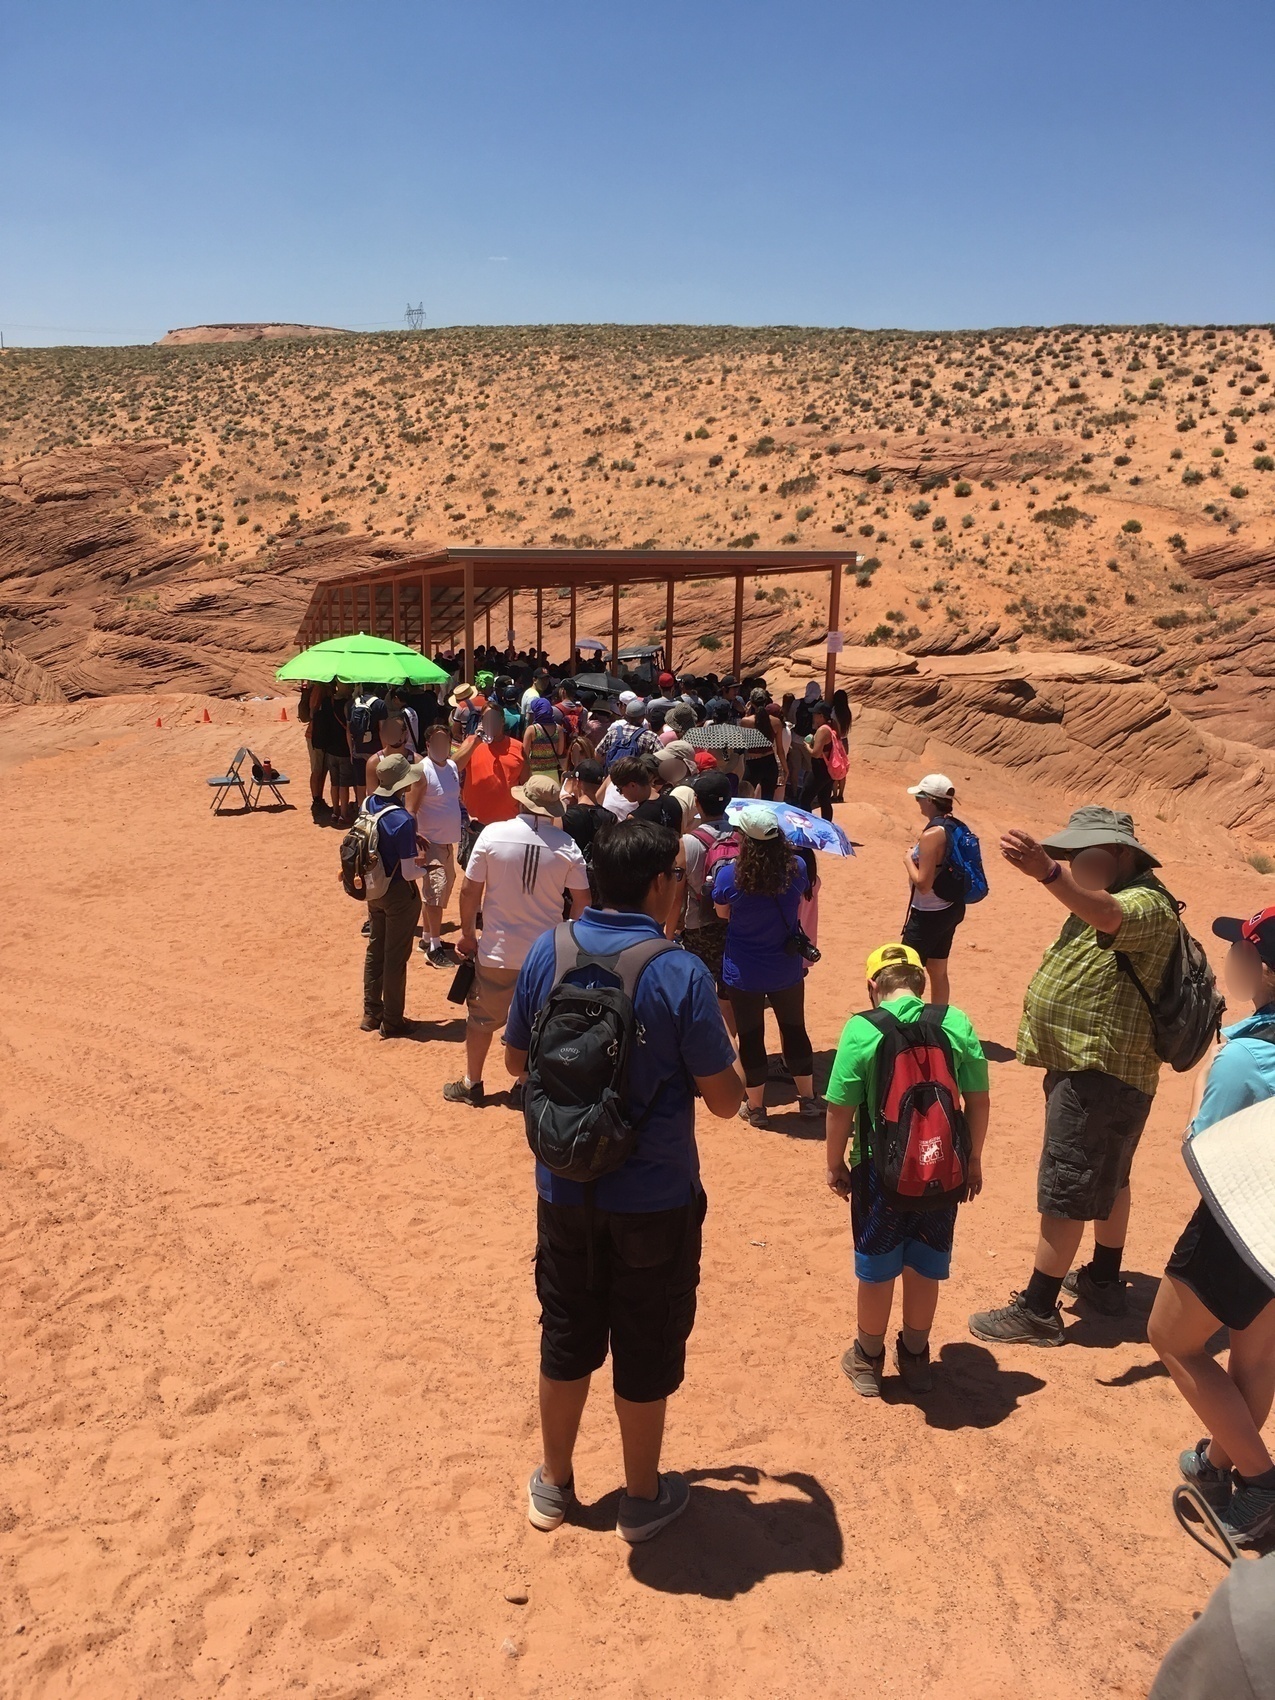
[[1093, 827], [1233, 1164], [540, 795], [936, 786], [462, 694], [394, 774]]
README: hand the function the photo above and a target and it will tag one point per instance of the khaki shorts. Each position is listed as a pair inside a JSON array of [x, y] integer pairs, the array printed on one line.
[[490, 996], [439, 861]]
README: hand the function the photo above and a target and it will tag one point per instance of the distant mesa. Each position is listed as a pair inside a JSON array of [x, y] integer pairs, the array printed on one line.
[[244, 333]]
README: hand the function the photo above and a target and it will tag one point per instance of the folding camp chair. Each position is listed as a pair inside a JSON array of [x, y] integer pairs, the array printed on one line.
[[230, 781], [263, 779]]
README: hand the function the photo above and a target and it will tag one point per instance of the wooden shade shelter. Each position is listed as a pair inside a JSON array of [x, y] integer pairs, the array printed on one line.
[[434, 599]]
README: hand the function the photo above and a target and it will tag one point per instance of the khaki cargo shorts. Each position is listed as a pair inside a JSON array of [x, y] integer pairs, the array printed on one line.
[[490, 996], [439, 862]]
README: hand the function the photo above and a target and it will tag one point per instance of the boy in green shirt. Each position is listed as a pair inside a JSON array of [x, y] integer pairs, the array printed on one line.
[[889, 1241]]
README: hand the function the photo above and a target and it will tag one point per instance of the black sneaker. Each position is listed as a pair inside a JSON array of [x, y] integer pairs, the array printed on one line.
[[440, 956], [914, 1368], [399, 1029], [366, 929], [1250, 1518], [1212, 1484], [457, 1092], [1014, 1325], [1108, 1298]]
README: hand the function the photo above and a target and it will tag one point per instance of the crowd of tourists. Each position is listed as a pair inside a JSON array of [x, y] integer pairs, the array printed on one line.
[[632, 902]]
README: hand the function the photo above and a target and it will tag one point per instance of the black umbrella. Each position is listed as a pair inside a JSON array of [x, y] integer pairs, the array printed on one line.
[[728, 740], [605, 684]]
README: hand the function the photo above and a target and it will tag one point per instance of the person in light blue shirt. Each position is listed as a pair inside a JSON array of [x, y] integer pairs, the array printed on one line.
[[1207, 1282]]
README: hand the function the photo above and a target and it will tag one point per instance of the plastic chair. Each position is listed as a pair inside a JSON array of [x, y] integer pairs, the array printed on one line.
[[262, 779], [230, 781]]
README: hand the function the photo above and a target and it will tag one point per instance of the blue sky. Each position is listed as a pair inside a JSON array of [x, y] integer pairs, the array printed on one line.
[[920, 165]]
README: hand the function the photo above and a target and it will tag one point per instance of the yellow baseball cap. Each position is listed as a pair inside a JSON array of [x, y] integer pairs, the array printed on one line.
[[890, 956]]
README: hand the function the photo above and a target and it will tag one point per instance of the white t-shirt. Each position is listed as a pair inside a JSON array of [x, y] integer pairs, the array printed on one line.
[[438, 812], [616, 803], [525, 865]]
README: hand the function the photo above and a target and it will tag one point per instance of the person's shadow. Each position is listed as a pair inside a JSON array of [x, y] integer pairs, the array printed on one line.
[[971, 1390], [741, 1526]]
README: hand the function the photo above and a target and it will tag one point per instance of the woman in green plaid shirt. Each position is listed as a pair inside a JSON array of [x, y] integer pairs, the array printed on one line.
[[1085, 1023]]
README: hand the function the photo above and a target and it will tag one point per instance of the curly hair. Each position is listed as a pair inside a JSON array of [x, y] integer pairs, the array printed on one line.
[[765, 866]]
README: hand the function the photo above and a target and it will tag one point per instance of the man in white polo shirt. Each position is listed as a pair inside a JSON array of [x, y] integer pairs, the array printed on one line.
[[517, 874]]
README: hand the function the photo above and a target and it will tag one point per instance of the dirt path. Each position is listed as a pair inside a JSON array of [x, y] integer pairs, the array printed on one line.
[[270, 1340]]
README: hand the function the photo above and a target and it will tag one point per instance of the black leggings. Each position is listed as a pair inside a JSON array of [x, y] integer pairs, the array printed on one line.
[[789, 1006], [816, 793]]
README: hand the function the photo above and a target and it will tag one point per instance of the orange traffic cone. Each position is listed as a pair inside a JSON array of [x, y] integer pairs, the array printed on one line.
[[283, 714], [207, 718], [159, 722]]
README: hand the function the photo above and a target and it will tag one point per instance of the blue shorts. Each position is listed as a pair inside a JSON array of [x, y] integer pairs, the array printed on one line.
[[888, 1241]]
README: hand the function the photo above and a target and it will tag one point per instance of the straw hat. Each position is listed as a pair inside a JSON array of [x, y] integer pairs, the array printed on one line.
[[1233, 1164], [462, 694]]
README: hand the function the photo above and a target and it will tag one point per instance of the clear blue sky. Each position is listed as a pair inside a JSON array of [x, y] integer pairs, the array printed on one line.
[[728, 161]]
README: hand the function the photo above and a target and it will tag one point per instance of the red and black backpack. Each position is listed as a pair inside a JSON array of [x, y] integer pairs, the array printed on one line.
[[915, 1131]]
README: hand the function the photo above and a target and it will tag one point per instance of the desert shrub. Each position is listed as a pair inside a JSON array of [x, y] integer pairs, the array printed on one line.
[[939, 523], [1262, 864], [749, 538], [763, 446], [1064, 516], [918, 510], [804, 514], [1239, 491], [1192, 476], [1171, 622], [1120, 460], [1176, 541], [1264, 463], [800, 486], [701, 430], [710, 641], [1132, 525]]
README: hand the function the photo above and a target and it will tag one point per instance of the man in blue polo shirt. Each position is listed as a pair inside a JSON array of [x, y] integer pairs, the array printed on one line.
[[623, 1270], [392, 917]]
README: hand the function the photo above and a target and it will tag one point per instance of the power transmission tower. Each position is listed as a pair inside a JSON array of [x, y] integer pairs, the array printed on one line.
[[415, 316]]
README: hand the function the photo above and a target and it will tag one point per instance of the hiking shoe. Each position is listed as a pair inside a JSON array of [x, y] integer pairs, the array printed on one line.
[[638, 1519], [914, 1368], [369, 1024], [864, 1373], [1250, 1518], [754, 1118], [811, 1109], [457, 1092], [1108, 1298], [399, 1030], [1014, 1325], [1211, 1483], [548, 1505], [438, 956], [366, 929], [516, 1095], [777, 1069]]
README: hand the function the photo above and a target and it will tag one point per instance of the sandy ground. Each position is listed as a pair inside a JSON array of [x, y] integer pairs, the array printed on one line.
[[269, 1336]]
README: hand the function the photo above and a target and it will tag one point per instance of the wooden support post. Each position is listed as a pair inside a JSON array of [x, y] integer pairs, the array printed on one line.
[[738, 651], [427, 618], [469, 622], [573, 626], [668, 627], [396, 631], [540, 620], [834, 625], [488, 615], [510, 621], [615, 627]]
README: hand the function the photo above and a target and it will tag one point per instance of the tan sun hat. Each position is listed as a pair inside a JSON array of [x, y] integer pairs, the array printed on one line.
[[541, 796], [461, 695], [395, 773]]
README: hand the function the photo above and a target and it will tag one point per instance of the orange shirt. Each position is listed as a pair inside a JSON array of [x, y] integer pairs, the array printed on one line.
[[492, 770]]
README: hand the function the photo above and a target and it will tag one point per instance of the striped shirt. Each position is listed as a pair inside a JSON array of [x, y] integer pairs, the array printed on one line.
[[525, 865]]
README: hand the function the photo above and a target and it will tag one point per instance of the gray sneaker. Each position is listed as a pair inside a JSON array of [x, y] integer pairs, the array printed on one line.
[[639, 1519], [863, 1372], [754, 1117], [1250, 1517], [1014, 1325], [1108, 1298], [547, 1505], [1211, 1483], [914, 1368], [811, 1109]]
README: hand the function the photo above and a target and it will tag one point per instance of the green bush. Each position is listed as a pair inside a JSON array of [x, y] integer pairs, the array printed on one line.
[[1132, 525], [1065, 517], [964, 488], [1264, 463], [1239, 490], [803, 514], [710, 641], [1176, 541]]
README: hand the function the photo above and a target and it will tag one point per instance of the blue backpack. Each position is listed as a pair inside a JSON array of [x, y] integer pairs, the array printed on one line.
[[961, 878], [627, 742]]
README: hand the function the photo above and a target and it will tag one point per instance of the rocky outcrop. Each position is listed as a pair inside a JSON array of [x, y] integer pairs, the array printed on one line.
[[243, 333], [1083, 725]]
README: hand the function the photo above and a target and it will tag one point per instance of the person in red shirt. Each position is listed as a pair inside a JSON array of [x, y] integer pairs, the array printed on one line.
[[492, 763]]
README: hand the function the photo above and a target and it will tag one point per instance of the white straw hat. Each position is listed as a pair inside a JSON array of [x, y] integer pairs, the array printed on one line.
[[1233, 1164]]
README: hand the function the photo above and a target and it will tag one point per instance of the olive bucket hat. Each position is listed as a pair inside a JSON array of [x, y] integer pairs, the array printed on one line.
[[1094, 825]]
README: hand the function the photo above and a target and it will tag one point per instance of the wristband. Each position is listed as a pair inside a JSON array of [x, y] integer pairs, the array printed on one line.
[[1054, 873]]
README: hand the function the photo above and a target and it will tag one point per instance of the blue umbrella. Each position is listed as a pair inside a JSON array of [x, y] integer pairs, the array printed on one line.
[[798, 826]]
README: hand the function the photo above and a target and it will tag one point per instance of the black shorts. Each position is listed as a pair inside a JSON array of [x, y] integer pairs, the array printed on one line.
[[762, 772], [642, 1301], [1093, 1123], [1205, 1261], [930, 931]]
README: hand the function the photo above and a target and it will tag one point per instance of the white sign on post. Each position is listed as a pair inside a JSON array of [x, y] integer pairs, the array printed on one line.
[[836, 643]]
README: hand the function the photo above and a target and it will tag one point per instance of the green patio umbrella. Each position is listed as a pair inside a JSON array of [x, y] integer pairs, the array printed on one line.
[[362, 660]]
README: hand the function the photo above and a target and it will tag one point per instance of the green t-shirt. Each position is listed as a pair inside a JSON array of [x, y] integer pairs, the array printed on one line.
[[853, 1081]]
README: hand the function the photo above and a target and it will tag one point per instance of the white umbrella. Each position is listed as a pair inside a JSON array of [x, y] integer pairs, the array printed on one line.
[[592, 643]]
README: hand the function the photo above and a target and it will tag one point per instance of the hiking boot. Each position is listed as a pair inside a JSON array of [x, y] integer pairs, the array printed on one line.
[[369, 1024], [1108, 1298], [864, 1373], [548, 1505], [914, 1368], [754, 1118], [1250, 1518], [1014, 1325], [439, 955], [399, 1029], [638, 1519], [1211, 1483], [810, 1109], [457, 1092]]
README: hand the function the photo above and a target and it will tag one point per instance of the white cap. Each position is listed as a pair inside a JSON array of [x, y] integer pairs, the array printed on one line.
[[627, 697], [935, 785]]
